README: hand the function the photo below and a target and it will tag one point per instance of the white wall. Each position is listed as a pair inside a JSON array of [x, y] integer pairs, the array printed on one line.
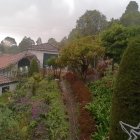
[[40, 55], [12, 87]]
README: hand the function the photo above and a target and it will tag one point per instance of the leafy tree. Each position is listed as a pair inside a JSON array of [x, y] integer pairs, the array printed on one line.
[[132, 15], [52, 41], [91, 23], [52, 62], [39, 41], [2, 48], [34, 67], [79, 54], [26, 43], [8, 45], [115, 40], [9, 42], [126, 97], [63, 42], [132, 7], [74, 34], [56, 64]]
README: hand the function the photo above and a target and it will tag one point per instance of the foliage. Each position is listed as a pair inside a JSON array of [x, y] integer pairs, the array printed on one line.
[[56, 118], [28, 115], [131, 16], [126, 97], [115, 40], [8, 45], [132, 7], [56, 64], [39, 41], [9, 127], [91, 23], [62, 43], [34, 67], [52, 41], [52, 62], [101, 105], [79, 54], [26, 43]]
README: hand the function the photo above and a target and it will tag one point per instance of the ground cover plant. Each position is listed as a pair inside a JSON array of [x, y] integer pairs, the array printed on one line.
[[33, 111], [101, 105]]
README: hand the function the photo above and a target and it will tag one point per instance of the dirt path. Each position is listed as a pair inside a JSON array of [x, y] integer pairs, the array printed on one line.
[[82, 96], [71, 108]]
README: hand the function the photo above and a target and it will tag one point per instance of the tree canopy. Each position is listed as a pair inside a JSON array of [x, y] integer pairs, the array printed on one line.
[[91, 23], [115, 40], [79, 54], [26, 43], [34, 67], [39, 41], [52, 41], [131, 16]]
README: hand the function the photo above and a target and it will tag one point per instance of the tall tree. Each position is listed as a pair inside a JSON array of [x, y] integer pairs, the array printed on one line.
[[26, 43], [39, 41], [126, 97], [132, 15], [91, 23], [132, 7], [63, 42], [9, 42], [79, 54], [9, 45], [74, 34], [115, 40], [52, 41]]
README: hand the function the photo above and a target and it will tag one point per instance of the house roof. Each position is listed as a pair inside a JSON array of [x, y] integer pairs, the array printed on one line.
[[44, 47], [5, 80], [9, 59]]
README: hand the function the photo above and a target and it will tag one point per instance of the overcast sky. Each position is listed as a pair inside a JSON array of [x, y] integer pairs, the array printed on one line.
[[50, 18]]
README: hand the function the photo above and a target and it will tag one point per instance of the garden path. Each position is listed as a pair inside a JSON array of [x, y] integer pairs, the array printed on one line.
[[71, 108]]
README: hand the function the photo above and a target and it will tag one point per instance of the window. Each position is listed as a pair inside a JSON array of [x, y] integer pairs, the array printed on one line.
[[5, 89]]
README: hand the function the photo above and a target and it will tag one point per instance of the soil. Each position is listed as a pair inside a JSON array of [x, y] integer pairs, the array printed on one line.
[[75, 97], [71, 108]]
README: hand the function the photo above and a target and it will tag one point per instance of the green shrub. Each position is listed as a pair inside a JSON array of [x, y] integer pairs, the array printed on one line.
[[34, 67], [9, 126], [100, 106], [126, 97]]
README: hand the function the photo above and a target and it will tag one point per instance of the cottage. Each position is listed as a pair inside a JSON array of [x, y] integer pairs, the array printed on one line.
[[43, 52], [12, 66], [7, 84]]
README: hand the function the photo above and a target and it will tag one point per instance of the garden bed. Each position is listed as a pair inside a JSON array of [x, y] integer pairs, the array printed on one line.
[[34, 111], [83, 97]]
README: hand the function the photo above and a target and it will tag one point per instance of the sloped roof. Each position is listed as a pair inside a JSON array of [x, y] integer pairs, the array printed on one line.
[[9, 59], [5, 80], [44, 47]]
